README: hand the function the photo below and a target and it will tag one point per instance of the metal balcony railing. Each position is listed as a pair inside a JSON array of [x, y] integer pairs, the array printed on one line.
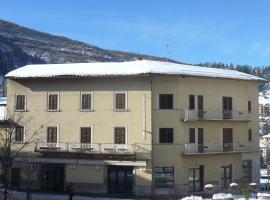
[[194, 148], [197, 115]]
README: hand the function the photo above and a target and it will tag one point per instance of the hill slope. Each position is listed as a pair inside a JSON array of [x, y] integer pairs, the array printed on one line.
[[20, 46]]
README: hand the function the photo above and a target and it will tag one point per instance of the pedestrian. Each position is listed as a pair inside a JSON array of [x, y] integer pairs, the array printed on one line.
[[71, 191]]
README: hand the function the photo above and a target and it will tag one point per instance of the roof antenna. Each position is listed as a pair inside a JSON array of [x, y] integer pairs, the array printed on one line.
[[168, 51]]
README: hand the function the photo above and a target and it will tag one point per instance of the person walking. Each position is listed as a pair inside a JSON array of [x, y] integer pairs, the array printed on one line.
[[71, 191]]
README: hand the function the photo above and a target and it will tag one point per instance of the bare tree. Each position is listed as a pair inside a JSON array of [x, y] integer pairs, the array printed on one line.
[[10, 150]]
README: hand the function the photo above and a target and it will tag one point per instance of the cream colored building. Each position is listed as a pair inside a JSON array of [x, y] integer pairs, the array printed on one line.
[[141, 127]]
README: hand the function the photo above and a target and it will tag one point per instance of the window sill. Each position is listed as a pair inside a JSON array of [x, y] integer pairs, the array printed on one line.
[[121, 110], [85, 110], [18, 142], [53, 110], [21, 110]]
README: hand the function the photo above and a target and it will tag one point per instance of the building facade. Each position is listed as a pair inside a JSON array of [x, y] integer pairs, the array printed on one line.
[[136, 132]]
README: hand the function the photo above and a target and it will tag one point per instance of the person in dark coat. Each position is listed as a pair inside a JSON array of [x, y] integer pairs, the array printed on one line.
[[71, 191]]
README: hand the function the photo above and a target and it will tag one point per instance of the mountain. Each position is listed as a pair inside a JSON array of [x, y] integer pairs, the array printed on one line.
[[20, 46]]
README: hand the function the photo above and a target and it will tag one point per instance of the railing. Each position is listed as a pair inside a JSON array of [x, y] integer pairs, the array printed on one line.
[[95, 148], [194, 148], [196, 115]]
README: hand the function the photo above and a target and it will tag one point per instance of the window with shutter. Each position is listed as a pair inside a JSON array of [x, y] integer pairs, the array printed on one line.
[[20, 104], [120, 135], [53, 102], [120, 99], [85, 135], [52, 134], [86, 101]]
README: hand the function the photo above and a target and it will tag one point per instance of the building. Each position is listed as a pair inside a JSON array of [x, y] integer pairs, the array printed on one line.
[[140, 127]]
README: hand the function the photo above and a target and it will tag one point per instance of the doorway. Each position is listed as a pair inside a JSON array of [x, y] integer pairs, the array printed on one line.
[[120, 179], [52, 177]]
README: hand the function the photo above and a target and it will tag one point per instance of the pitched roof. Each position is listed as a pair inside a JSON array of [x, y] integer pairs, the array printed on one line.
[[139, 67]]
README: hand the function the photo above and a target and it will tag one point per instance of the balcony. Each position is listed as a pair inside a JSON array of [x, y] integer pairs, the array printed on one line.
[[215, 115], [139, 151], [215, 148]]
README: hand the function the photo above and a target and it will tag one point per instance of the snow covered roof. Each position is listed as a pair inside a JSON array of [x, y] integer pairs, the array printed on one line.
[[139, 67]]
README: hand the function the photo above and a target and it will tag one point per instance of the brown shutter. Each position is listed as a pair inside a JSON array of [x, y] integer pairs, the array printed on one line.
[[20, 102], [52, 134], [120, 100], [85, 135], [86, 101], [53, 101], [120, 135]]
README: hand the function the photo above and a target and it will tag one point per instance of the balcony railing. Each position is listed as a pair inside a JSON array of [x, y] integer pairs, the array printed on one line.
[[197, 115], [194, 148], [120, 149]]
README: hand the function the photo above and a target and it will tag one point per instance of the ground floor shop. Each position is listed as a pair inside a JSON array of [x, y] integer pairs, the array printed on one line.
[[130, 178]]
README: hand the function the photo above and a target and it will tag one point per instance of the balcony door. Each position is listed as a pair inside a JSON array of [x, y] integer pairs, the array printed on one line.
[[227, 139], [52, 134], [120, 135], [200, 140], [227, 107], [200, 107], [85, 135]]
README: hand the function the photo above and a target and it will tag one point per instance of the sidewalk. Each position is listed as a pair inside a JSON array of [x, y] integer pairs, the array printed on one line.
[[44, 196]]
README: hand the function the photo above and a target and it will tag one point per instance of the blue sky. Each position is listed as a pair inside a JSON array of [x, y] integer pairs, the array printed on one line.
[[229, 31]]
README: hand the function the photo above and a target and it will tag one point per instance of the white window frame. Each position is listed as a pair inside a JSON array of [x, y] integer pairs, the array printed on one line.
[[92, 132], [126, 133], [126, 100], [20, 142], [25, 101], [57, 134], [58, 101], [92, 101]]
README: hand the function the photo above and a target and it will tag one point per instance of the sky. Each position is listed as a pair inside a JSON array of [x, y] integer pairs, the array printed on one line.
[[191, 31]]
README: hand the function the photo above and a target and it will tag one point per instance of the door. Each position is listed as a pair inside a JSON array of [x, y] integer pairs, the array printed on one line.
[[52, 177], [227, 139], [227, 107], [200, 107], [196, 179], [15, 177], [120, 179], [200, 140]]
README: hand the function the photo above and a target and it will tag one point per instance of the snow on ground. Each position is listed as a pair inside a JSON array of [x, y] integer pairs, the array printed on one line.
[[139, 67]]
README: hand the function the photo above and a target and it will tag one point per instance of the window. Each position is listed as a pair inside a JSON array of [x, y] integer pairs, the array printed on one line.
[[165, 101], [19, 134], [226, 176], [85, 134], [53, 101], [86, 101], [192, 135], [249, 106], [249, 135], [191, 102], [247, 169], [195, 179], [227, 107], [120, 135], [166, 135], [52, 134], [164, 177], [120, 99], [20, 104]]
